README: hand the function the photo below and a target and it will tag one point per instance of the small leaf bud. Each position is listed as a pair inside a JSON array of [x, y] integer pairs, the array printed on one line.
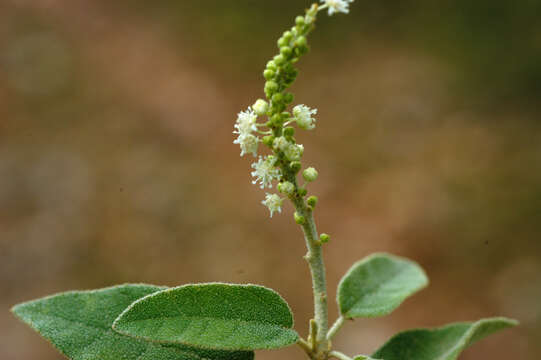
[[312, 201], [324, 238], [268, 140], [289, 131], [260, 107], [299, 219], [295, 166], [286, 188], [310, 174], [299, 20], [268, 74]]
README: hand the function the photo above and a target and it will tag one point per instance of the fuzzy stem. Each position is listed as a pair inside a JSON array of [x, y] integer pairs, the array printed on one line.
[[317, 270], [336, 326], [339, 355], [303, 344]]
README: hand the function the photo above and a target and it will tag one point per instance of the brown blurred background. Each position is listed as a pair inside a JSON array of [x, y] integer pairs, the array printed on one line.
[[117, 163]]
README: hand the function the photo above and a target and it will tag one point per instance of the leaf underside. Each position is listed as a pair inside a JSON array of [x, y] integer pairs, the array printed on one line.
[[445, 343], [79, 325], [214, 316], [377, 285]]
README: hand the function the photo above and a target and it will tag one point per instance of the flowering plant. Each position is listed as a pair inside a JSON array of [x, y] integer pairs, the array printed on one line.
[[229, 321]]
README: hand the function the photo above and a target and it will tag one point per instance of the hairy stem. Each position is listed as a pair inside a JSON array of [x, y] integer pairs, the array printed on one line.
[[314, 257], [336, 326], [339, 355]]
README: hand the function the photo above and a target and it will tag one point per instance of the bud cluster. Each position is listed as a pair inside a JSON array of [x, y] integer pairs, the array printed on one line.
[[285, 162]]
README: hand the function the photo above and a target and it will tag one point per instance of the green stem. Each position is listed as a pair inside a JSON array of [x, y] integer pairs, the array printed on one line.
[[339, 355], [336, 326], [314, 257]]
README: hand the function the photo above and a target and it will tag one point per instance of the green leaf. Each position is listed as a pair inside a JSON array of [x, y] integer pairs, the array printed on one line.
[[363, 357], [377, 285], [214, 316], [78, 324], [444, 343]]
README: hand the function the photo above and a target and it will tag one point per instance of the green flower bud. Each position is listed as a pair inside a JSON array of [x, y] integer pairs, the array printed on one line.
[[271, 87], [288, 36], [299, 219], [299, 20], [277, 98], [289, 131], [276, 119], [294, 152], [271, 65], [286, 188], [279, 59], [268, 74], [286, 51], [282, 42], [268, 140], [301, 42], [310, 174], [312, 201], [260, 107], [302, 191], [324, 238], [280, 143], [288, 98], [295, 166]]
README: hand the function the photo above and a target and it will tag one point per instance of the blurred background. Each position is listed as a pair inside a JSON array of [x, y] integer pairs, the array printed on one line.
[[117, 163]]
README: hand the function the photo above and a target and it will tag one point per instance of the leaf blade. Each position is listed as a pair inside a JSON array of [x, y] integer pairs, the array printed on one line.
[[378, 284], [213, 316], [444, 343], [79, 325]]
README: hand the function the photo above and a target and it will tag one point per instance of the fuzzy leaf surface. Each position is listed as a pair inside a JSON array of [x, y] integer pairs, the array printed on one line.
[[445, 343], [213, 316], [79, 325], [377, 285]]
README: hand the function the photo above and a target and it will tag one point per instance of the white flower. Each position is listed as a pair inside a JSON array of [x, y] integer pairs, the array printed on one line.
[[335, 6], [248, 144], [265, 172], [273, 202], [294, 152], [303, 117], [246, 122]]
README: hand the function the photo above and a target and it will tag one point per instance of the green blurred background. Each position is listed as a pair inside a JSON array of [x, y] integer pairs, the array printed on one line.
[[117, 163]]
